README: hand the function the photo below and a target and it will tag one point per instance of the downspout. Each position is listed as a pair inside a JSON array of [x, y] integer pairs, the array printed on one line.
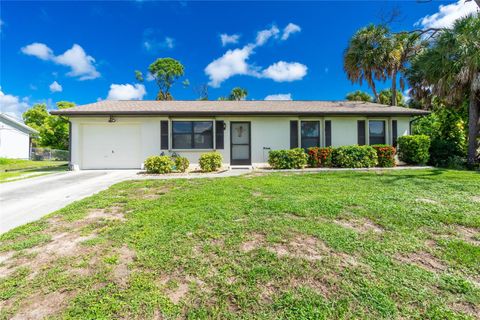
[[411, 122]]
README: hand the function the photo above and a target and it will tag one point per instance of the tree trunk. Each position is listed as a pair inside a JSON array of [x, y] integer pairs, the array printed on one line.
[[374, 90], [394, 87], [473, 128]]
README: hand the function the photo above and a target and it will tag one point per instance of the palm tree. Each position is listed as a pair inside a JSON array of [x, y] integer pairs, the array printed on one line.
[[385, 97], [364, 58], [238, 94], [402, 47], [450, 69], [359, 96]]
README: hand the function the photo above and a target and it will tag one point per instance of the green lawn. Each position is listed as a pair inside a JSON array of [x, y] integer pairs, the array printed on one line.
[[17, 169], [369, 245], [19, 164]]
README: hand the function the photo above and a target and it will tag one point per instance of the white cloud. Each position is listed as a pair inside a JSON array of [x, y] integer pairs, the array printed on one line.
[[150, 77], [126, 92], [154, 40], [12, 105], [233, 62], [282, 71], [448, 14], [39, 50], [81, 64], [153, 45], [264, 35], [279, 96], [229, 39], [55, 87], [290, 29]]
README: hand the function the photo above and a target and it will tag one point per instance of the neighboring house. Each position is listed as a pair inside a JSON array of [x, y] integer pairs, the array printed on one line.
[[15, 137], [122, 134]]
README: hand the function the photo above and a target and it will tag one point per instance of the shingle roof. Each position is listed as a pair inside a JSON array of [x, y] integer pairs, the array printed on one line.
[[17, 124], [261, 107]]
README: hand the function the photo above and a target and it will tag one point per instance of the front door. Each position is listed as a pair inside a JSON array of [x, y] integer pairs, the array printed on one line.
[[240, 153]]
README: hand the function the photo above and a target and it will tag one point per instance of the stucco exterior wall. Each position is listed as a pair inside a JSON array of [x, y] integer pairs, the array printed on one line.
[[14, 143], [267, 133]]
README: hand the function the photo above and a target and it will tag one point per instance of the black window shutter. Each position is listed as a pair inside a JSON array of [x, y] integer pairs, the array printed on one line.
[[328, 133], [219, 134], [361, 132], [394, 133], [293, 134], [164, 135]]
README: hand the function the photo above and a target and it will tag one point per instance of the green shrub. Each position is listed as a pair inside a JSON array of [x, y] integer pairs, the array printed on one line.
[[181, 164], [159, 164], [447, 153], [210, 161], [354, 157], [414, 149], [287, 159], [320, 157], [385, 155]]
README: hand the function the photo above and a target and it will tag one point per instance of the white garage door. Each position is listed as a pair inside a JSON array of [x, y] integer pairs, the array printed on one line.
[[111, 146]]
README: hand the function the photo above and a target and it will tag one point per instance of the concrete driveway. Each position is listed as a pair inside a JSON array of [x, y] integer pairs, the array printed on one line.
[[28, 200]]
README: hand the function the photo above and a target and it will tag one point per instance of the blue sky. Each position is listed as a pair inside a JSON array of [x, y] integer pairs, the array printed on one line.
[[86, 51]]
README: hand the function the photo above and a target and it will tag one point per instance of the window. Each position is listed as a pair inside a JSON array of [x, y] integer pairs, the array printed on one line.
[[310, 134], [376, 129], [192, 134]]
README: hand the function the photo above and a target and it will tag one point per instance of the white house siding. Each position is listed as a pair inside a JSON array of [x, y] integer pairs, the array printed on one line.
[[267, 133], [14, 143], [344, 130]]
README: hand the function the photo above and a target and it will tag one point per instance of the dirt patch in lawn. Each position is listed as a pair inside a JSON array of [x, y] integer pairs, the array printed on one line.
[[362, 225], [426, 200], [61, 245], [177, 286], [300, 246], [476, 199], [66, 238], [465, 307], [255, 241], [424, 260], [304, 247], [41, 305], [471, 235], [151, 193], [122, 271], [111, 213]]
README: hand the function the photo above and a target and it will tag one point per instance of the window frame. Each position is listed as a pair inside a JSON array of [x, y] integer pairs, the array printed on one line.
[[319, 137], [385, 133], [192, 134]]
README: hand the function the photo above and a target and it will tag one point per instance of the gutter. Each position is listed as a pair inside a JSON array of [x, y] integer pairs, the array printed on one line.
[[233, 113]]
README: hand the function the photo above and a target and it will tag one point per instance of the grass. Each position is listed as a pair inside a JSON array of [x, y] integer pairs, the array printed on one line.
[[17, 169], [19, 164], [389, 245]]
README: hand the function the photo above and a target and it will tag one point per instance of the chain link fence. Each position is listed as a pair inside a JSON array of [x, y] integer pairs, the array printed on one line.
[[49, 154]]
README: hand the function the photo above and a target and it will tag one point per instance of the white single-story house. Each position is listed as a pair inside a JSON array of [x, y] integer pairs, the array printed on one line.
[[122, 134], [15, 142]]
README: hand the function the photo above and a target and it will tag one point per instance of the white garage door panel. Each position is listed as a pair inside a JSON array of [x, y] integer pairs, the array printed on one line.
[[111, 146]]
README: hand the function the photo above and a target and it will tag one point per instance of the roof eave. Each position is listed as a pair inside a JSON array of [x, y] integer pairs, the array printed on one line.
[[235, 113]]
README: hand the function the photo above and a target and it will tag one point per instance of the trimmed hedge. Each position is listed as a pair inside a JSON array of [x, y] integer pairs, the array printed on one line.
[[181, 164], [414, 149], [159, 164], [354, 157], [287, 159], [210, 161], [320, 157], [385, 155]]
